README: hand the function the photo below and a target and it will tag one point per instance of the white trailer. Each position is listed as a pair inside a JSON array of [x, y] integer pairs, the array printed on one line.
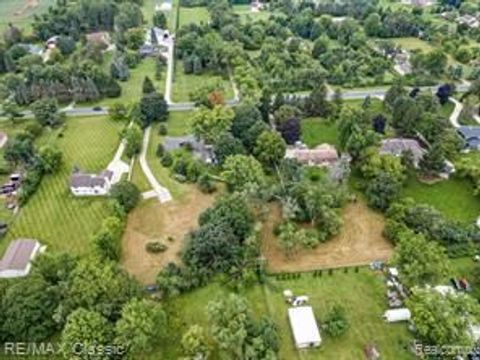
[[304, 327], [395, 315]]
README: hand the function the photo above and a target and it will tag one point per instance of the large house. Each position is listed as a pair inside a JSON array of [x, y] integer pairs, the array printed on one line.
[[199, 149], [471, 135], [18, 258], [157, 41], [82, 184], [322, 155], [399, 146]]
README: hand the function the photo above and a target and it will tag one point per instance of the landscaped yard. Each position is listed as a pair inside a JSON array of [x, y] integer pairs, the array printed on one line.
[[53, 215], [20, 12], [412, 43], [316, 131], [454, 197], [362, 294], [184, 84], [245, 13], [194, 15]]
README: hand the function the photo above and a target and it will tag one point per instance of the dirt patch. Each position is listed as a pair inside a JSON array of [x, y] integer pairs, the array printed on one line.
[[29, 5], [153, 221], [360, 242]]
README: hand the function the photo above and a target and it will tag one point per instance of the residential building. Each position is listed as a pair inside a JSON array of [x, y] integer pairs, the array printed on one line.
[[398, 146], [471, 135], [199, 149], [469, 20], [17, 260], [82, 184], [322, 155]]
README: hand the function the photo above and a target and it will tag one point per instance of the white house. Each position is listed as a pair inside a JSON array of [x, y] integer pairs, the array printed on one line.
[[304, 327], [17, 259], [82, 184]]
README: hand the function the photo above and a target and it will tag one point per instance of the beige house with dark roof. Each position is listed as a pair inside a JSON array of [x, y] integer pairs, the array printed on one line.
[[18, 258], [322, 155]]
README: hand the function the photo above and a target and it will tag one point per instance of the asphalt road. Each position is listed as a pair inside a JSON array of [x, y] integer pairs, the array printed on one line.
[[346, 95]]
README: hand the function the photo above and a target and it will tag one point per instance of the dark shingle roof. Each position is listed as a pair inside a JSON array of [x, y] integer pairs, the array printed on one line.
[[18, 254]]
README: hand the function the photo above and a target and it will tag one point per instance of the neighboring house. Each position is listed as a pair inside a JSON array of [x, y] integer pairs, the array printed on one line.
[[471, 135], [469, 20], [398, 146], [82, 184], [3, 139], [101, 38], [199, 149], [18, 258], [322, 155], [51, 43], [157, 41]]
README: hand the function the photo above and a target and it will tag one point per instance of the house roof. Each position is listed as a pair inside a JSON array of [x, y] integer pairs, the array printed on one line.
[[304, 325], [322, 153], [171, 143], [398, 146], [80, 180], [19, 254], [469, 132]]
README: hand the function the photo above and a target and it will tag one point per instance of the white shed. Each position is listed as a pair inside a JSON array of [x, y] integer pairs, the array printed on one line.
[[395, 315], [304, 327]]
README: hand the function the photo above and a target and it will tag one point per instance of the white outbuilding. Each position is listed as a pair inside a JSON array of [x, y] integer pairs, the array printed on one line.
[[395, 315], [304, 327]]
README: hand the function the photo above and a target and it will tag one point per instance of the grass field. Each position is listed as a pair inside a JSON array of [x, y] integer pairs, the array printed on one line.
[[184, 84], [194, 15], [246, 14], [178, 124], [453, 197], [53, 215], [139, 178], [132, 88], [316, 131], [412, 43], [361, 294], [20, 12]]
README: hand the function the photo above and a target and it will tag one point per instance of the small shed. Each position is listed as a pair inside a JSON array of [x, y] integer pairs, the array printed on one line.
[[396, 315], [304, 327]]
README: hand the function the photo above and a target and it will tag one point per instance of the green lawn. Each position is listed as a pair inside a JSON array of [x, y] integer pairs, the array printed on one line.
[[184, 84], [316, 131], [178, 124], [16, 12], [139, 178], [361, 294], [132, 88], [412, 43], [194, 15], [453, 197], [53, 215], [245, 13]]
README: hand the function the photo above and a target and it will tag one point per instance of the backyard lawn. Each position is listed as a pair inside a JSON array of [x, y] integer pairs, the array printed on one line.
[[316, 131], [53, 215], [453, 197], [194, 15], [361, 294], [21, 12], [246, 13], [184, 84]]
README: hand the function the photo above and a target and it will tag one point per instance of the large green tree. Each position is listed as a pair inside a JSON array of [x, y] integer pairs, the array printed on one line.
[[242, 171], [270, 148], [210, 124]]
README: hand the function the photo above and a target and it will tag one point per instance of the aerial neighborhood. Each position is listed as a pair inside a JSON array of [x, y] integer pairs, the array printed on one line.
[[240, 179]]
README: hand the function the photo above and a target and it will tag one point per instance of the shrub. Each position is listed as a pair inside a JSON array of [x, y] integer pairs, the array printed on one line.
[[336, 323], [167, 160], [205, 184], [155, 247], [160, 150], [162, 130]]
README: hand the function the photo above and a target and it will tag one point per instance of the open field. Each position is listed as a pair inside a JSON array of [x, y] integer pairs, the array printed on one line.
[[20, 12], [245, 13], [184, 84], [316, 131], [360, 242], [362, 295], [53, 215], [453, 197], [153, 221], [195, 15], [412, 43]]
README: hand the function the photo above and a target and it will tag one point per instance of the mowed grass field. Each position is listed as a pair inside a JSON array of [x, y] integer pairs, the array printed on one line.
[[184, 84], [453, 197], [53, 215], [194, 15], [316, 131], [362, 294], [20, 12]]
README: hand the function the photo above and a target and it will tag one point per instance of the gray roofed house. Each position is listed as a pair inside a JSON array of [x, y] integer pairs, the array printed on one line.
[[91, 184], [398, 146], [471, 135], [16, 261], [199, 149]]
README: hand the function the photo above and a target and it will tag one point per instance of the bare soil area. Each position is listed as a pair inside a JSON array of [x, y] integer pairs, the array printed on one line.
[[360, 242], [153, 221]]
